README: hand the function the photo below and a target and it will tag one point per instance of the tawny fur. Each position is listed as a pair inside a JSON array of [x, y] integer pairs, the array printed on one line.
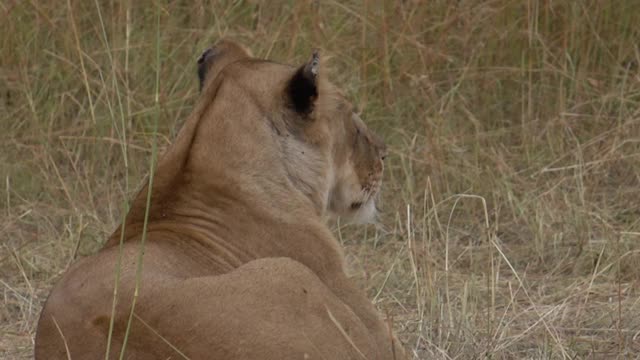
[[238, 262]]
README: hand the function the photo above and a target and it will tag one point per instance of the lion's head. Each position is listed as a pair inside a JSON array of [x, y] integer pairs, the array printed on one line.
[[327, 150], [276, 133]]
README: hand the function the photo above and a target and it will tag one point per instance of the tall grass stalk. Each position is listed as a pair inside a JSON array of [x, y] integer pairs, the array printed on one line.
[[122, 133], [152, 167]]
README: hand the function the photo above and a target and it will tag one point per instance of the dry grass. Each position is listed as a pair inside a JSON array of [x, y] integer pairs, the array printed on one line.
[[511, 216]]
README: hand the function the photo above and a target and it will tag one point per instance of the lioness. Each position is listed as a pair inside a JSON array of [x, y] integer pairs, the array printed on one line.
[[238, 261]]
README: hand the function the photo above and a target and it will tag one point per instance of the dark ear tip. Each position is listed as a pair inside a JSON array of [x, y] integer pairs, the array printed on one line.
[[302, 88], [204, 56], [202, 65]]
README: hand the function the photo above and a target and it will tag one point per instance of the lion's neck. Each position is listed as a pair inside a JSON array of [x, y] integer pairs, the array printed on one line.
[[236, 181], [247, 202], [234, 228]]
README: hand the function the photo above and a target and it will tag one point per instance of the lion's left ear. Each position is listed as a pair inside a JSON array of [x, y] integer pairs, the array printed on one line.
[[302, 88], [214, 59]]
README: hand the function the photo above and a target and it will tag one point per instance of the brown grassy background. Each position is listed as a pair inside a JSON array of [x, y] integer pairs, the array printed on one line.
[[511, 208]]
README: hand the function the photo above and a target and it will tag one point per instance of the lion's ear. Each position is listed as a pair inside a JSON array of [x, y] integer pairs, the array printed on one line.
[[203, 61], [214, 59], [302, 89]]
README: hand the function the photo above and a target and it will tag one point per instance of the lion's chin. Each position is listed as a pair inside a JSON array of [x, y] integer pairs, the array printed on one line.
[[361, 212], [352, 209]]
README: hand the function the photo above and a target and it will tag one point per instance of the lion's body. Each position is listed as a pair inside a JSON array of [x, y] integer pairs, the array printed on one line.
[[238, 263]]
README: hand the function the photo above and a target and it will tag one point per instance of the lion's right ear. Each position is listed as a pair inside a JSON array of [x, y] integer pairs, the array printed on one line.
[[214, 59], [302, 88]]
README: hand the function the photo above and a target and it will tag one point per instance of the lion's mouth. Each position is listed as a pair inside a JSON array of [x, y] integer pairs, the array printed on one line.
[[356, 205], [367, 199]]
